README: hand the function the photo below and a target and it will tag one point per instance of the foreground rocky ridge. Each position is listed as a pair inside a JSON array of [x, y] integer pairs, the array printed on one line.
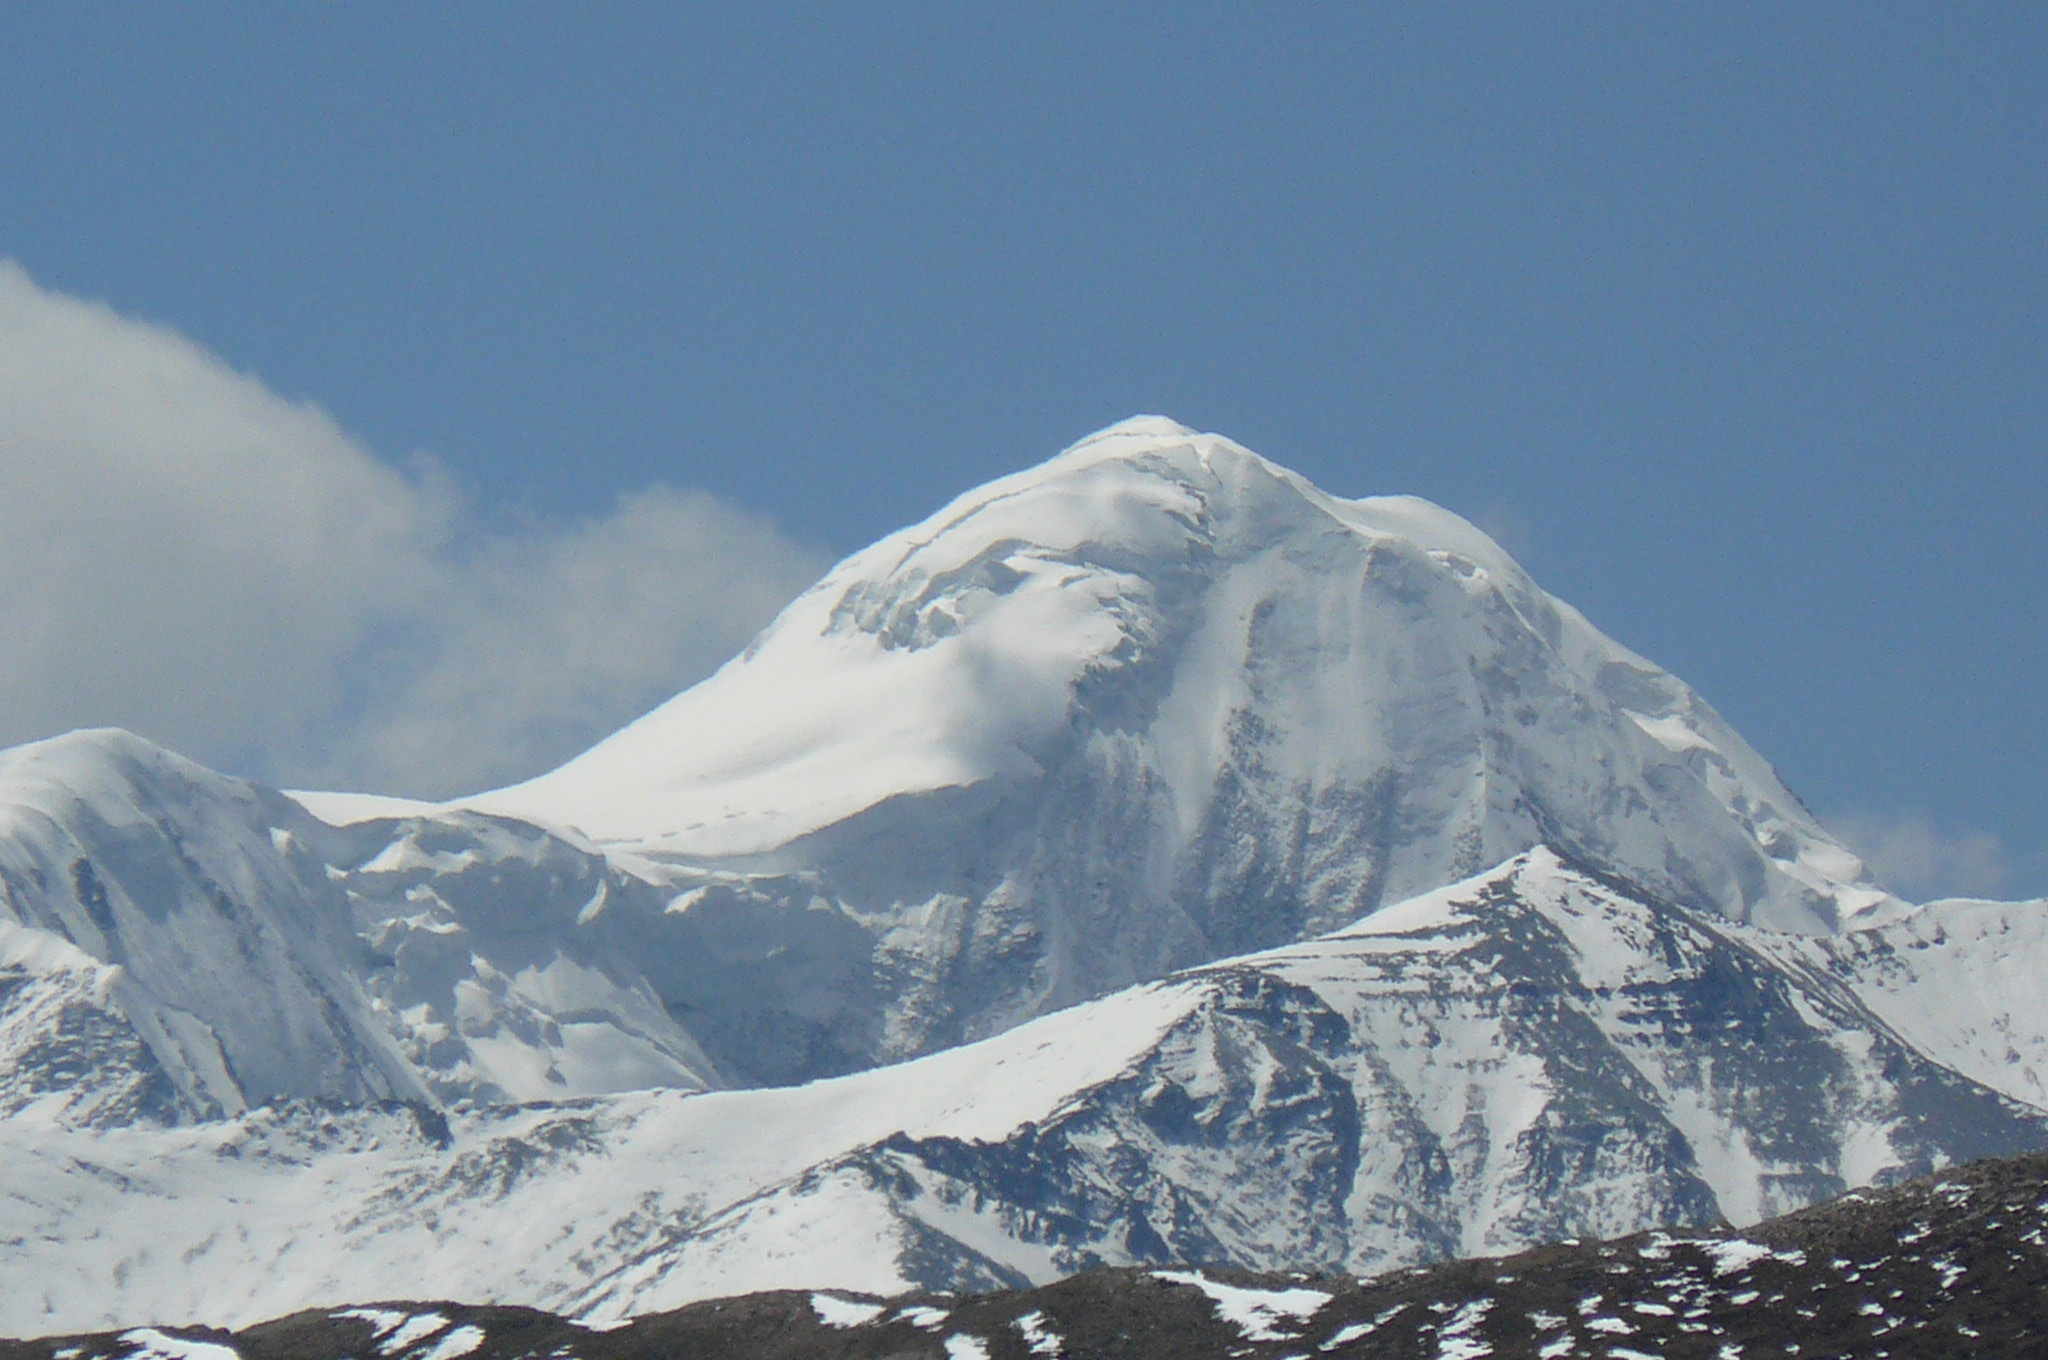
[[1940, 1267]]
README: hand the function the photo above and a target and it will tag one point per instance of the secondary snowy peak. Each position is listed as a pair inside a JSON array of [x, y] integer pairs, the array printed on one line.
[[1162, 628], [179, 945], [155, 908], [1960, 979]]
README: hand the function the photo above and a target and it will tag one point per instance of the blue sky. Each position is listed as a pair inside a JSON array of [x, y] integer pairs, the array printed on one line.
[[1731, 321]]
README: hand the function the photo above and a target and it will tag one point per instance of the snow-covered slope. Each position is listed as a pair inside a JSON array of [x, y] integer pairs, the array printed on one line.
[[81, 1044], [1940, 1268], [158, 898], [1531, 1054], [1961, 980], [495, 962]]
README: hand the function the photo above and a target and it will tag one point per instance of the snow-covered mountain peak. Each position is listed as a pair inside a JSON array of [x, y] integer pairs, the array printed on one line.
[[938, 657], [220, 957], [1165, 606], [1146, 493], [113, 770], [950, 652]]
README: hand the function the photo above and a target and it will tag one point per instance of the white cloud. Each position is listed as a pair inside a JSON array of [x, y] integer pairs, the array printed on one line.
[[1921, 861], [188, 554], [544, 640]]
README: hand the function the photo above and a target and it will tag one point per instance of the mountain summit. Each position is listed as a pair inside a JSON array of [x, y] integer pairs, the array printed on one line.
[[1230, 653]]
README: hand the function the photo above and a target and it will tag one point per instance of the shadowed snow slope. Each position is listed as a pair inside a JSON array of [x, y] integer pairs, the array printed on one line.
[[1531, 1054], [153, 907]]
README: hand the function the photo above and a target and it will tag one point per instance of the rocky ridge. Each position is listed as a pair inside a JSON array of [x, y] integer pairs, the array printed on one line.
[[1940, 1267]]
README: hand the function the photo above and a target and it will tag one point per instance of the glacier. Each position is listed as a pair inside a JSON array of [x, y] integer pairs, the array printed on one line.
[[1149, 858]]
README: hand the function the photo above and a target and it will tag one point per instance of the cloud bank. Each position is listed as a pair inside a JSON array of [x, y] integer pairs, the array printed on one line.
[[1922, 861], [185, 553]]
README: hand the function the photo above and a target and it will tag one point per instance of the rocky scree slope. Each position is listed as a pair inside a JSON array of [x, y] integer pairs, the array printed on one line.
[[1940, 1267]]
